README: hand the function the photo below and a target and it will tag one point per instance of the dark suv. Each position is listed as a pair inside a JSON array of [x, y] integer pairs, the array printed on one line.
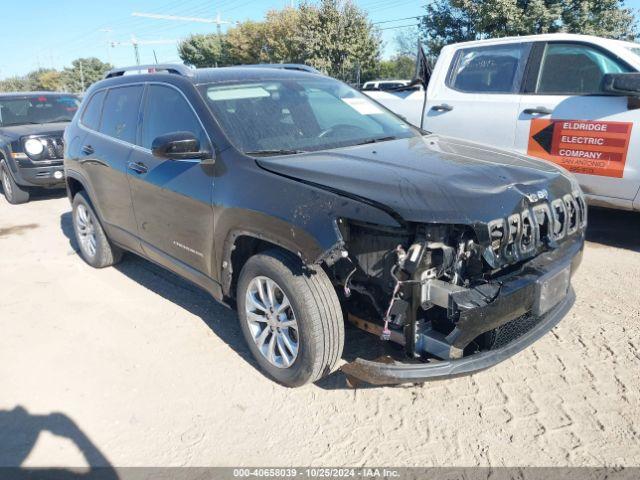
[[304, 203], [31, 150]]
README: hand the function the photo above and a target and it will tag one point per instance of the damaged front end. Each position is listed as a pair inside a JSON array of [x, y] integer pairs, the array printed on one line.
[[460, 298]]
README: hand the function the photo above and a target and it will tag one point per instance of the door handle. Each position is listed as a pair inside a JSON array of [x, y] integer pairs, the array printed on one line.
[[442, 108], [138, 167], [538, 111], [88, 150]]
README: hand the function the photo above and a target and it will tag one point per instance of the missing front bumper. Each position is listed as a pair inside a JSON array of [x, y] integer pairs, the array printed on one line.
[[526, 305], [391, 372]]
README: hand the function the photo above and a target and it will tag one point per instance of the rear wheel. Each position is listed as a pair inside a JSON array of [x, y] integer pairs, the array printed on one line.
[[290, 317], [12, 191], [95, 247]]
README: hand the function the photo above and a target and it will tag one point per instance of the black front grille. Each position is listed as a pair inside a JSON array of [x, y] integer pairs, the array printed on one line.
[[54, 149], [513, 330]]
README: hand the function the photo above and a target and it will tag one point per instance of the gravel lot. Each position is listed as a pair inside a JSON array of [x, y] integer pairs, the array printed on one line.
[[132, 366]]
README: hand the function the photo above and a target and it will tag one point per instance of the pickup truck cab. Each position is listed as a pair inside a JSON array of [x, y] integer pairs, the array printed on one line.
[[31, 128], [556, 97]]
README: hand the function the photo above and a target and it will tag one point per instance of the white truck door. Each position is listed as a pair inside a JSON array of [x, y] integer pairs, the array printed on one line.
[[566, 118], [475, 92]]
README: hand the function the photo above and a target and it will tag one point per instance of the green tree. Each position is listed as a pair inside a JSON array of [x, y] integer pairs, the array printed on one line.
[[15, 84], [83, 72], [338, 38], [45, 79], [201, 50], [450, 21], [334, 36], [402, 67]]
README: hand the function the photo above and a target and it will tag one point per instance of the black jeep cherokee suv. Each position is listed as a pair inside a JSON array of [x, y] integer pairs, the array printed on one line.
[[304, 203], [31, 127]]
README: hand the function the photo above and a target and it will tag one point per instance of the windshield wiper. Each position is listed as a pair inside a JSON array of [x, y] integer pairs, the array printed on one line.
[[281, 151], [378, 139]]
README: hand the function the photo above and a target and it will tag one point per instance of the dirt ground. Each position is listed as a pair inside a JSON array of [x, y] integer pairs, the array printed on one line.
[[132, 366]]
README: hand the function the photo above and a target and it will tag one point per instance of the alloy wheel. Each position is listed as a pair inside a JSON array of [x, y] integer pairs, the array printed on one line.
[[6, 184], [86, 230], [272, 322]]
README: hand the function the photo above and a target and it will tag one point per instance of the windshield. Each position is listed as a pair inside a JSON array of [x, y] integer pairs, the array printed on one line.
[[37, 109], [299, 114]]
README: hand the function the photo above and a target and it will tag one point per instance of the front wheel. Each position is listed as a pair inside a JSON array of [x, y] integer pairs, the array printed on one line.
[[291, 318], [12, 191]]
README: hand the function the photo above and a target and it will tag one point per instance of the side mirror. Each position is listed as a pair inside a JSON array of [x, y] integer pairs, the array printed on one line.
[[627, 84], [178, 146]]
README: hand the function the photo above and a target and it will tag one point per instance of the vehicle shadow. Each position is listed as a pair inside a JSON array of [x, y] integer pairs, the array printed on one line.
[[19, 432], [42, 194], [221, 320], [614, 228]]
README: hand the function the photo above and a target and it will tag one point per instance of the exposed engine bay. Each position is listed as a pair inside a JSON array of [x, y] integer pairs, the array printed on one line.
[[449, 291]]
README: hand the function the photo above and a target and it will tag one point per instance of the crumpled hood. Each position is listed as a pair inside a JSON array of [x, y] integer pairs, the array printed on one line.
[[431, 178], [18, 131]]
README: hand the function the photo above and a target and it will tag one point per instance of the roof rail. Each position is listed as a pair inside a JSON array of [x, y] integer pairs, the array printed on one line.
[[285, 66], [175, 69]]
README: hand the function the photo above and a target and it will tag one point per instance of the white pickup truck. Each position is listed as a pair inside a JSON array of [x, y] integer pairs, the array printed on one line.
[[570, 99]]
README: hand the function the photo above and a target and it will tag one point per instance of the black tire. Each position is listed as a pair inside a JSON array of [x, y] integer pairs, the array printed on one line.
[[14, 194], [105, 254], [317, 310]]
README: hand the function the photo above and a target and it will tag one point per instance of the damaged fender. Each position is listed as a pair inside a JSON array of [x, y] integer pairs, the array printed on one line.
[[295, 216]]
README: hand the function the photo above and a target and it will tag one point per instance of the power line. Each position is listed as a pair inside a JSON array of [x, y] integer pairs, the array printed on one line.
[[417, 17], [401, 26]]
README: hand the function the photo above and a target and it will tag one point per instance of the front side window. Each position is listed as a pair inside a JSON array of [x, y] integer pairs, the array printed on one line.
[[575, 69], [491, 69], [167, 111], [35, 109], [299, 114], [92, 112], [120, 113]]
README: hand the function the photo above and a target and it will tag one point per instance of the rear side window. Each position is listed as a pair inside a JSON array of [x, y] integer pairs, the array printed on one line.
[[166, 112], [491, 69], [575, 69], [120, 113], [93, 110], [390, 86]]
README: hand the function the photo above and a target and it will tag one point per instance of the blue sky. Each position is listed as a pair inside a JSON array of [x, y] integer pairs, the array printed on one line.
[[53, 33]]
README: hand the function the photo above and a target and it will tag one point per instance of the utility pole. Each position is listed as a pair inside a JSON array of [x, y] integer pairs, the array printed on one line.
[[108, 31], [136, 49], [81, 75], [136, 46]]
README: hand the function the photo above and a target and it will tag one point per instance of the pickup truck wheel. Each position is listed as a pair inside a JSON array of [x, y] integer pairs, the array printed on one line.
[[12, 191], [95, 247], [291, 318]]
